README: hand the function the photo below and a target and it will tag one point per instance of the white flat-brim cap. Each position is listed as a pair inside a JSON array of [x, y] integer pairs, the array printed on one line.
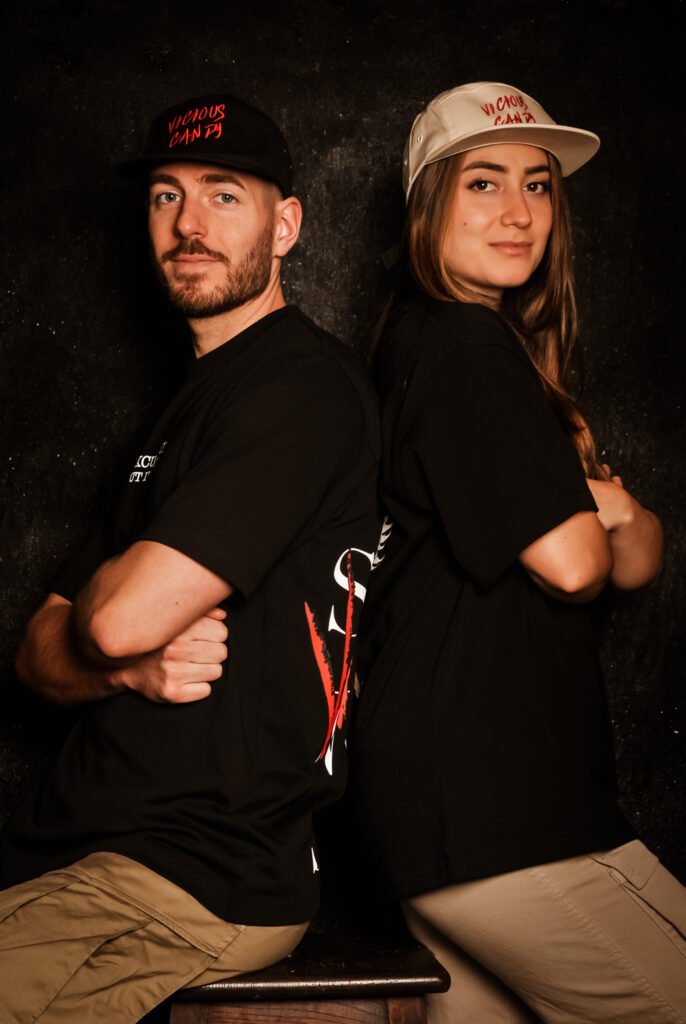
[[486, 114]]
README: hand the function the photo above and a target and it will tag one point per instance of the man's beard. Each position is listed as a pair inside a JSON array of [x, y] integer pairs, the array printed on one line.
[[242, 282]]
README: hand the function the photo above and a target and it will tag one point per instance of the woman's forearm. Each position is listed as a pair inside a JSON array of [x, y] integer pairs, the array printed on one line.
[[637, 549], [573, 561], [634, 532]]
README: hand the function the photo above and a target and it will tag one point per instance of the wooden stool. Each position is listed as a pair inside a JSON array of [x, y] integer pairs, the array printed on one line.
[[328, 979]]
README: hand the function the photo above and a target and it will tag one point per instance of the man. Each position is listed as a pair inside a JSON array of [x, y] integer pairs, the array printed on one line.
[[173, 839]]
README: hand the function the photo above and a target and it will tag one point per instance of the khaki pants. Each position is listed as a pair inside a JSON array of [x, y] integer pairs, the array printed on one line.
[[591, 939], [106, 940]]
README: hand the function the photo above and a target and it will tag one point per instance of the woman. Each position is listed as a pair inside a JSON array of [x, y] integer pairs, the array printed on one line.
[[483, 758]]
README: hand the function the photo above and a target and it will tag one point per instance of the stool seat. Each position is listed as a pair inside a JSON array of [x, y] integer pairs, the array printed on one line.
[[332, 966]]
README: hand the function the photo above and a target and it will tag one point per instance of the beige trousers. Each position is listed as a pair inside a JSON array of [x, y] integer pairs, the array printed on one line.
[[106, 940], [598, 938]]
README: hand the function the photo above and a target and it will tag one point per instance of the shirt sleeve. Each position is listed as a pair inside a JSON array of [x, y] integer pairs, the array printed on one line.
[[268, 464], [500, 470], [83, 560]]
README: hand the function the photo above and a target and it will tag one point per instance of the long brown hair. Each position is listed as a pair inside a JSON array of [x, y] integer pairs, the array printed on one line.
[[542, 311]]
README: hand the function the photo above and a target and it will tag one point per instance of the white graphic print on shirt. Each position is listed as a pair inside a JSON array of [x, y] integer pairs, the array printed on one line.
[[144, 466]]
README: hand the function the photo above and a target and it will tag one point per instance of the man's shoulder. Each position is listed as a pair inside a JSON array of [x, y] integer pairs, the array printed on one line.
[[298, 329], [295, 341]]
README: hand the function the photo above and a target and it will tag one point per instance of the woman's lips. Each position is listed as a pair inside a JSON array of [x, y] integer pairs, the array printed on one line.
[[511, 248]]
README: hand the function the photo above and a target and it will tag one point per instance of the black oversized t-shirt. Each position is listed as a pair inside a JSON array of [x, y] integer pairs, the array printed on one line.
[[263, 469], [482, 743]]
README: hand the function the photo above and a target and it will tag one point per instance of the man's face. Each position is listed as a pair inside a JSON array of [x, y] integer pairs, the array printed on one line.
[[211, 232]]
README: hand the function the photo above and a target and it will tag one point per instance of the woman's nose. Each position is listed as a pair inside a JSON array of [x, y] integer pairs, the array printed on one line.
[[516, 209]]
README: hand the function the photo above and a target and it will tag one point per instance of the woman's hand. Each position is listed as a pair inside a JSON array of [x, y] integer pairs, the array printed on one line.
[[634, 532], [615, 505]]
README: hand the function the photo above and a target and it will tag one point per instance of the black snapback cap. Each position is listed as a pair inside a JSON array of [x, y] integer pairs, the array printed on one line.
[[216, 129]]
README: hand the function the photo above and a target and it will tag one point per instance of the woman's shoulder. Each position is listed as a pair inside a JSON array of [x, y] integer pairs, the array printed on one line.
[[437, 352], [430, 332], [463, 323]]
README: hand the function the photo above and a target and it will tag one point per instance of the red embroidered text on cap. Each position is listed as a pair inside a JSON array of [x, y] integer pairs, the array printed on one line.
[[520, 116], [196, 123]]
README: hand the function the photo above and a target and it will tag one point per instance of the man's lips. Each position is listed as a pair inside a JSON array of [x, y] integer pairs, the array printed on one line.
[[185, 258], [186, 265], [192, 254]]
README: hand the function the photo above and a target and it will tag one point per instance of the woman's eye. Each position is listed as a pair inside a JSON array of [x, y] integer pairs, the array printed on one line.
[[538, 188], [481, 186]]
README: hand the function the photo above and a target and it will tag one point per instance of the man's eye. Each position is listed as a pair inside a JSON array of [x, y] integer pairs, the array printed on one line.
[[225, 198], [480, 185], [165, 198]]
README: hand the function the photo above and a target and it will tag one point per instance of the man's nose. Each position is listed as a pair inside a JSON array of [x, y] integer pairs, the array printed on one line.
[[190, 219]]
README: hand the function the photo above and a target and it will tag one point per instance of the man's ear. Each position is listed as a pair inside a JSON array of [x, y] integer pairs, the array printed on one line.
[[287, 219]]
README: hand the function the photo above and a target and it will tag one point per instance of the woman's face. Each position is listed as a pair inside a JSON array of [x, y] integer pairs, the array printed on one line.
[[500, 218]]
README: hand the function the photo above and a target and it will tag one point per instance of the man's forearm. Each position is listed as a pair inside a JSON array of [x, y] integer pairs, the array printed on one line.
[[139, 601], [123, 631], [50, 661]]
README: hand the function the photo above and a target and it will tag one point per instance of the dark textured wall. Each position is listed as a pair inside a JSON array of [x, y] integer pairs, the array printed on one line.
[[88, 348]]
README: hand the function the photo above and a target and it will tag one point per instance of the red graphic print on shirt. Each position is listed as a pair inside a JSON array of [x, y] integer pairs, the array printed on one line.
[[336, 696]]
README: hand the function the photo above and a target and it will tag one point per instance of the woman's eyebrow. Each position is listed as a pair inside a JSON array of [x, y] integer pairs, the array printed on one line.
[[484, 165], [538, 169], [501, 168]]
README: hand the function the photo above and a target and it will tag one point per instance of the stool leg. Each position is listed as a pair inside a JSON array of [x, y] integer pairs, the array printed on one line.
[[407, 1010], [189, 1013]]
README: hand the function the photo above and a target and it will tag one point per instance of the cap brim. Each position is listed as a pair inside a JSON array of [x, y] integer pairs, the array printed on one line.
[[573, 147], [139, 168]]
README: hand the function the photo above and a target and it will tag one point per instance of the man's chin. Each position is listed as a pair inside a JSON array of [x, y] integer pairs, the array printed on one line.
[[197, 295], [194, 309], [195, 305]]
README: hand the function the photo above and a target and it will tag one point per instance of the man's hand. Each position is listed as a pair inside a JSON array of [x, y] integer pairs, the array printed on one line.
[[150, 610], [51, 663], [184, 669]]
